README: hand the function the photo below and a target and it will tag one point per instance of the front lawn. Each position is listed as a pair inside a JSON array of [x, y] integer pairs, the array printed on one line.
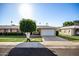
[[18, 39], [71, 38]]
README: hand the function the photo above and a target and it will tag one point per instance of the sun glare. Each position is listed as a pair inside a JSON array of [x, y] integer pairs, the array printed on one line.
[[26, 10]]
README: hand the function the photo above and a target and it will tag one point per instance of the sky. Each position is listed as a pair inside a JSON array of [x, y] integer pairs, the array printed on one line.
[[52, 13]]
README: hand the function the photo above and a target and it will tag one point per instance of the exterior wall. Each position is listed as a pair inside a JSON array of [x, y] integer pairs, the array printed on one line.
[[48, 32], [67, 31], [72, 32], [14, 30], [1, 30], [9, 30]]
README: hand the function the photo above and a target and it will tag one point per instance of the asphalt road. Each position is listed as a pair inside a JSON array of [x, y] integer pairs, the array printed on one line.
[[30, 49]]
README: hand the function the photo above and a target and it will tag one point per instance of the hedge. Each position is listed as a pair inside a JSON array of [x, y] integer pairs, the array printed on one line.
[[13, 33]]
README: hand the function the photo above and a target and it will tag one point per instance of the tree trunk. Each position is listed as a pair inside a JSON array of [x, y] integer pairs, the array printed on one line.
[[28, 36]]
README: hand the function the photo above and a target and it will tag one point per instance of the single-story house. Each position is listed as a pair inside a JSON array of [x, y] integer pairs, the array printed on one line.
[[9, 28], [69, 30], [47, 30], [41, 30]]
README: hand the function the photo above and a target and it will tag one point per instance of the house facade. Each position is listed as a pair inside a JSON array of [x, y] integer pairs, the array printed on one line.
[[69, 30], [41, 30], [47, 30], [9, 28]]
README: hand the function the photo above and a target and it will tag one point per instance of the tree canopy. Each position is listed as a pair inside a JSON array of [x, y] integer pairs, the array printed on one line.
[[27, 25], [68, 23]]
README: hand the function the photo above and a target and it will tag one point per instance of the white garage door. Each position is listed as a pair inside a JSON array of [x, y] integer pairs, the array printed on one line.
[[47, 32]]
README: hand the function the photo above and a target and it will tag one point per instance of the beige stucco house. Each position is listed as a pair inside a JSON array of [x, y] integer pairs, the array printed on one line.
[[69, 30], [42, 30]]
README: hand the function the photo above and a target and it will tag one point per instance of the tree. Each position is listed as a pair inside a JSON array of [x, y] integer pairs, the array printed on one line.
[[76, 22], [68, 23], [27, 26]]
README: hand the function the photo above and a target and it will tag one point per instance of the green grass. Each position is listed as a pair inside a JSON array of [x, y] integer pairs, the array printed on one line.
[[18, 39], [71, 38]]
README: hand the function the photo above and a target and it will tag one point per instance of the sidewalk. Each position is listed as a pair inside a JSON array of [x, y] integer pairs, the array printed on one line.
[[59, 44], [9, 43]]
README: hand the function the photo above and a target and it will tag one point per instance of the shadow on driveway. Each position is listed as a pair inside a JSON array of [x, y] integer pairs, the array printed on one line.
[[30, 49]]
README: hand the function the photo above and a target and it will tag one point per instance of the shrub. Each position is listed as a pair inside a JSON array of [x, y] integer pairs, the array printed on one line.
[[12, 33]]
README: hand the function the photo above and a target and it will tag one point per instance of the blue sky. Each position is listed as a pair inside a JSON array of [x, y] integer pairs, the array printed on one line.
[[51, 13]]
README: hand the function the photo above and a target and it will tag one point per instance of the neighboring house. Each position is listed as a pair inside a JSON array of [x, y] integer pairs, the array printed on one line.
[[41, 30], [9, 28], [69, 30]]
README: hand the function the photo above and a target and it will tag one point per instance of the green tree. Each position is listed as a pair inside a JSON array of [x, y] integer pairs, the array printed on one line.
[[76, 22], [68, 23], [27, 26]]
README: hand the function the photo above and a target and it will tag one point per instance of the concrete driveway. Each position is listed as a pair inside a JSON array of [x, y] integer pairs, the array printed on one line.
[[53, 38]]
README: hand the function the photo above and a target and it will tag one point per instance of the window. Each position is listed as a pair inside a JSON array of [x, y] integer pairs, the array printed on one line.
[[5, 30]]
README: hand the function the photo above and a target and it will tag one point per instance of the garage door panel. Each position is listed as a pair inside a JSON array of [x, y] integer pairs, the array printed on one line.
[[47, 32]]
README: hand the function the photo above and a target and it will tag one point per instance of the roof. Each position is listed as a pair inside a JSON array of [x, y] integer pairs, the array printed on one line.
[[16, 26], [70, 27], [46, 27], [8, 26]]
